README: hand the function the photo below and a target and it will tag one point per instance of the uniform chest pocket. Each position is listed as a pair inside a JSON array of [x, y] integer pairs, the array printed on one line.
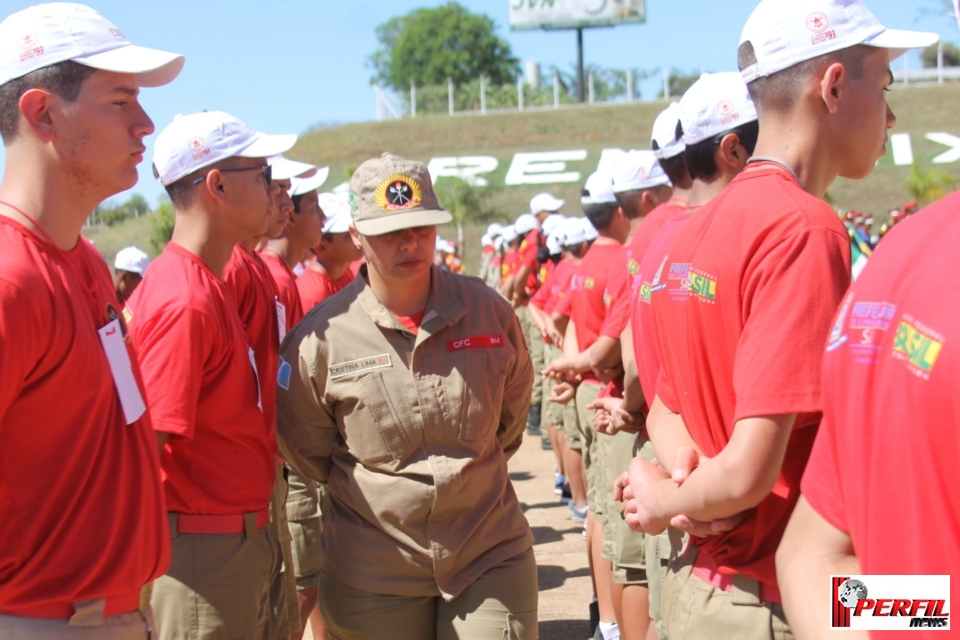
[[375, 433], [481, 399]]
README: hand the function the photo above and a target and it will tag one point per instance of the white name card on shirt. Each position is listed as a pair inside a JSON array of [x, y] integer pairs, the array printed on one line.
[[281, 319], [111, 336]]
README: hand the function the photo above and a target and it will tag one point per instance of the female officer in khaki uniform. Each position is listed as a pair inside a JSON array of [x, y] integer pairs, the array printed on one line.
[[406, 393]]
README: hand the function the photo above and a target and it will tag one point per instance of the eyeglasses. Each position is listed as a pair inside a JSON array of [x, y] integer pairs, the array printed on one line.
[[267, 176]]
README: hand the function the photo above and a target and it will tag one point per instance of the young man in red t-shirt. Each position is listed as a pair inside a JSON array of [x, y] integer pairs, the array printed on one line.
[[210, 408], [588, 308], [79, 547], [335, 253], [879, 491], [767, 262]]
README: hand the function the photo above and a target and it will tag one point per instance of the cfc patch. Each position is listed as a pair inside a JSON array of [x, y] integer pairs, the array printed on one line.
[[476, 342], [398, 192], [382, 361], [283, 374]]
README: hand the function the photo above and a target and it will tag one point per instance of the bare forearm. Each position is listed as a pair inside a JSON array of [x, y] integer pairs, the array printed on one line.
[[668, 433], [811, 551], [633, 401], [604, 355]]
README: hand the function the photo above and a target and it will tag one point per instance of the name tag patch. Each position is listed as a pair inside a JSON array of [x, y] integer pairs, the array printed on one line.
[[363, 364], [475, 342]]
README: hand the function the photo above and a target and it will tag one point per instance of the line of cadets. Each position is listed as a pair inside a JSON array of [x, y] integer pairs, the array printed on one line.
[[692, 334]]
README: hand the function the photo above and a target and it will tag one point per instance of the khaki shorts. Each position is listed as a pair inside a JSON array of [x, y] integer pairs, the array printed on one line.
[[284, 610], [552, 412], [502, 603], [217, 586], [694, 608], [571, 426], [661, 550], [629, 546], [124, 626], [592, 463], [304, 523], [535, 345]]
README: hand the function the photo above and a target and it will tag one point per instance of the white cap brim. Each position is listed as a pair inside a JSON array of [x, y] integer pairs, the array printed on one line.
[[339, 223], [900, 41], [301, 186], [285, 168], [152, 67], [265, 146]]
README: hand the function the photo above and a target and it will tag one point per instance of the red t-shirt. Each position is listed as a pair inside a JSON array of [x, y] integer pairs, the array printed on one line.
[[588, 306], [527, 257], [286, 283], [316, 286], [560, 281], [509, 266], [883, 468], [201, 389], [249, 279], [624, 269], [649, 281], [93, 524], [768, 266]]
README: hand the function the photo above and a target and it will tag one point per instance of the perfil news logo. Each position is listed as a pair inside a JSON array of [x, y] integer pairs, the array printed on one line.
[[890, 603]]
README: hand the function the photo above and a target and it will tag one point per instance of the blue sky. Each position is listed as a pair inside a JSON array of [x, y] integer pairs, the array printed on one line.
[[285, 65]]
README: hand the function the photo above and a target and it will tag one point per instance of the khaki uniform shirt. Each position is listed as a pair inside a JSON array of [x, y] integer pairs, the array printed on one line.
[[411, 434]]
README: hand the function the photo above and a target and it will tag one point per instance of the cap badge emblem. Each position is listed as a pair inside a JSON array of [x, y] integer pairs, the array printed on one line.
[[818, 22], [28, 40], [398, 192]]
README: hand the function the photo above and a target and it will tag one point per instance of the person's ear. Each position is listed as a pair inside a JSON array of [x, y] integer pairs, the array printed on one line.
[[832, 85], [355, 236], [731, 153], [214, 186], [35, 112]]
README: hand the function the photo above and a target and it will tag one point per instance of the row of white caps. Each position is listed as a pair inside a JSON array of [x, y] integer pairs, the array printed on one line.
[[635, 170], [559, 230]]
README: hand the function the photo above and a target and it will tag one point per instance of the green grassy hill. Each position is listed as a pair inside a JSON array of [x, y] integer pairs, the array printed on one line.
[[919, 110]]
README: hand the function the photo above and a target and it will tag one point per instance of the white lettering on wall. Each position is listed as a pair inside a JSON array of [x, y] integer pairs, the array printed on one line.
[[544, 168], [468, 168]]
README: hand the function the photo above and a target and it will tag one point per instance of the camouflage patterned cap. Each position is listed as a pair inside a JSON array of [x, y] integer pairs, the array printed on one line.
[[389, 193]]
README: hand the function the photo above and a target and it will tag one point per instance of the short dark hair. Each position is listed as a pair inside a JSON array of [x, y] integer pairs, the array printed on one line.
[[701, 159], [296, 202], [64, 79], [675, 168], [600, 215], [779, 91], [629, 202]]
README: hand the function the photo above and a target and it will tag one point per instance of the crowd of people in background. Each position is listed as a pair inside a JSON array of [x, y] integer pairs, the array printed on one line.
[[301, 413]]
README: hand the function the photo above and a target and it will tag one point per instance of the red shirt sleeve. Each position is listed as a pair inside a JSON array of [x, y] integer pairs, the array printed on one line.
[[172, 348], [786, 379], [564, 304], [528, 254], [665, 392], [822, 483], [618, 314], [19, 342]]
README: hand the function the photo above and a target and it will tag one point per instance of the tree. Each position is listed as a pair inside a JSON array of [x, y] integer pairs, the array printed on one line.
[[465, 202], [951, 56], [928, 186], [427, 46], [161, 227]]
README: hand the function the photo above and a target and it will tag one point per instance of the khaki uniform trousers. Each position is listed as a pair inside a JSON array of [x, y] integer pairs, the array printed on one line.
[[305, 526], [500, 605], [137, 625], [661, 550], [694, 608], [535, 345], [284, 610], [592, 463], [217, 586], [627, 547]]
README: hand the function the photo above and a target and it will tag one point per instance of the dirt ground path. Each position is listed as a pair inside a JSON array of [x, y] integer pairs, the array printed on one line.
[[564, 576]]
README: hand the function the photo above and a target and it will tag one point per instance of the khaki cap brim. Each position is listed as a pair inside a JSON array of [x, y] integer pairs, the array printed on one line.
[[397, 221]]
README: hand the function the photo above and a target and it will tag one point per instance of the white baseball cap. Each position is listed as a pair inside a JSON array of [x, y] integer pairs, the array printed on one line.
[[636, 170], [304, 184], [555, 243], [510, 234], [525, 223], [495, 229], [199, 140], [545, 202], [133, 260], [498, 243], [572, 232], [716, 103], [785, 33], [550, 223], [486, 240], [668, 145], [336, 208], [287, 169], [599, 189], [47, 34], [590, 231]]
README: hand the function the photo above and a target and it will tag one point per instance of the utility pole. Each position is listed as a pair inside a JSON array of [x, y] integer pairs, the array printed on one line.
[[580, 78]]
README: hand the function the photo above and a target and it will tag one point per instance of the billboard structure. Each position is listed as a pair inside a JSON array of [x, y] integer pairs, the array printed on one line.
[[575, 14]]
